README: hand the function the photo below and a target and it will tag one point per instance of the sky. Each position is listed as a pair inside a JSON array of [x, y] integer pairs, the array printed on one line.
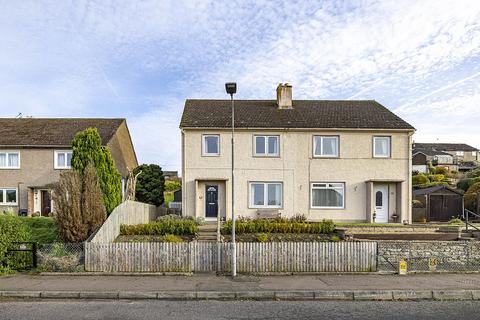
[[140, 60]]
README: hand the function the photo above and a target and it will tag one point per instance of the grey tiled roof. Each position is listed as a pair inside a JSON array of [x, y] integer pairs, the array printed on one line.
[[365, 114], [52, 131], [444, 146]]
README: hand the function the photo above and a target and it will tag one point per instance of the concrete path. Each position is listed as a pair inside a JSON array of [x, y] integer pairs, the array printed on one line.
[[368, 286]]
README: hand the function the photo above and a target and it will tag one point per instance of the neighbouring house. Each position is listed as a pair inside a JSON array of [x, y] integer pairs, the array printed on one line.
[[34, 151], [438, 203], [341, 160], [170, 175], [421, 158], [463, 156], [177, 200]]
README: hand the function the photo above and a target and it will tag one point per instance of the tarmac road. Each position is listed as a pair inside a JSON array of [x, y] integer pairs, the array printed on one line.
[[150, 309]]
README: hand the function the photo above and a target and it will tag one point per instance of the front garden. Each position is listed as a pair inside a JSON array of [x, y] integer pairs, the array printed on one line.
[[181, 229]]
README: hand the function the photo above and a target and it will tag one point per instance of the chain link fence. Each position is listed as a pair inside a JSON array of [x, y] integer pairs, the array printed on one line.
[[61, 257], [429, 256]]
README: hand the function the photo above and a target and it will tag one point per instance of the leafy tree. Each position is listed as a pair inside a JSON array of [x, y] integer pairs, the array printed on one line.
[[67, 195], [471, 197], [93, 209], [172, 185], [87, 147], [150, 184]]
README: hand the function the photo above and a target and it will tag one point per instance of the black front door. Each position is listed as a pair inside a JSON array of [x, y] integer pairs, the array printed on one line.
[[211, 201]]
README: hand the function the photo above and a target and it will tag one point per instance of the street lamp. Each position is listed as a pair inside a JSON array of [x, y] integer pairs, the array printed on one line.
[[231, 88]]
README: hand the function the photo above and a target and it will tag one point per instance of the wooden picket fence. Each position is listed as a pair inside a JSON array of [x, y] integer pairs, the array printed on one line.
[[252, 258]]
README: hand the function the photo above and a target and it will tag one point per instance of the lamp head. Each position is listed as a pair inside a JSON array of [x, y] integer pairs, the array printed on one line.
[[231, 87]]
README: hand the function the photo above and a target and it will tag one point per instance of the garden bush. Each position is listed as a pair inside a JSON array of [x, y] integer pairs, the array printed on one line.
[[441, 170], [278, 226], [41, 229], [162, 227], [172, 238], [12, 229], [420, 179]]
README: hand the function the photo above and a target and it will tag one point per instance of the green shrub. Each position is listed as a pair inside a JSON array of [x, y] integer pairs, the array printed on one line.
[[441, 170], [262, 237], [172, 238], [455, 221], [420, 179], [464, 184], [172, 185], [12, 229], [335, 238], [473, 173], [41, 229], [278, 226], [161, 227]]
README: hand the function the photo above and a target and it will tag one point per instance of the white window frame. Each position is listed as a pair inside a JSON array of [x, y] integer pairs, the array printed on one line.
[[474, 153], [389, 147], [204, 145], [4, 191], [55, 159], [327, 188], [265, 195], [321, 146], [265, 139], [460, 153], [11, 152]]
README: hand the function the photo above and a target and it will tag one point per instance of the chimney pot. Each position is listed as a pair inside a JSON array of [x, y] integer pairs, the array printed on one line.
[[284, 96]]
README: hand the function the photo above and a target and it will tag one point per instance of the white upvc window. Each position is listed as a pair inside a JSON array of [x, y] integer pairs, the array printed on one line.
[[8, 196], [328, 195], [211, 145], [63, 159], [474, 153], [326, 146], [267, 146], [266, 194], [382, 147], [9, 159]]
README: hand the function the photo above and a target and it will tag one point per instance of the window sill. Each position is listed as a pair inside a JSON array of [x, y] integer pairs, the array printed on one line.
[[326, 157], [327, 208], [210, 155], [8, 204], [10, 168]]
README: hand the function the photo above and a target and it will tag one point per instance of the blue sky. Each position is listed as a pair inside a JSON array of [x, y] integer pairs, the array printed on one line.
[[141, 60]]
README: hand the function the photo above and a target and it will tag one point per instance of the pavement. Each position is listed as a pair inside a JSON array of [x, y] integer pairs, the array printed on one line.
[[206, 287]]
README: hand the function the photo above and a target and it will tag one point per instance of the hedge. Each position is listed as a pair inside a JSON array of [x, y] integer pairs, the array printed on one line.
[[12, 229], [276, 226], [161, 228]]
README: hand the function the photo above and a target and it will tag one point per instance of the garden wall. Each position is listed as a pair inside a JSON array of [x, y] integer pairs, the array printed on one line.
[[128, 212], [429, 256]]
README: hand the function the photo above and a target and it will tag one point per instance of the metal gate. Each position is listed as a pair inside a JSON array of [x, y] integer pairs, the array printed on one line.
[[22, 256]]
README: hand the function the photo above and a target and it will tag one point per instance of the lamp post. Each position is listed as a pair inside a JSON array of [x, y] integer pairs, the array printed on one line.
[[231, 88]]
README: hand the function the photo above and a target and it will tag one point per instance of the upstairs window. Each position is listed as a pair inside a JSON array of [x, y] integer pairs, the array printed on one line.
[[266, 146], [459, 153], [474, 153], [381, 147], [211, 145], [8, 196], [325, 146], [63, 160], [10, 160]]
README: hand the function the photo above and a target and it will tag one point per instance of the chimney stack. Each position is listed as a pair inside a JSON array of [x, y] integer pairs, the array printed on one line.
[[284, 96]]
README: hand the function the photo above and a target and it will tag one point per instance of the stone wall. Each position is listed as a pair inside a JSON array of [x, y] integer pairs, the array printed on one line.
[[430, 256]]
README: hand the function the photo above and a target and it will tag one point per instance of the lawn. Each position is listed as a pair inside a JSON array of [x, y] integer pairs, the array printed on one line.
[[42, 229]]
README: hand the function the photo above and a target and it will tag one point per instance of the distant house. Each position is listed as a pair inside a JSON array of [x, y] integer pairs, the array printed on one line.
[[169, 175], [34, 151], [455, 156]]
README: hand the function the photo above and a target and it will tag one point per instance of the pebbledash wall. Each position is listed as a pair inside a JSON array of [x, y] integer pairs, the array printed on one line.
[[296, 169], [428, 256]]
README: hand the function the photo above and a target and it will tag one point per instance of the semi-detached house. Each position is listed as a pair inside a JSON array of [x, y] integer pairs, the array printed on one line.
[[34, 151], [341, 160]]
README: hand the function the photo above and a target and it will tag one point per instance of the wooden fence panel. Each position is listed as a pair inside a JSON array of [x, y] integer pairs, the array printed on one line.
[[259, 258]]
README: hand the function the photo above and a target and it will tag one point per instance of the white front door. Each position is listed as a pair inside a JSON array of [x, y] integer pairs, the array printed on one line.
[[381, 203]]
